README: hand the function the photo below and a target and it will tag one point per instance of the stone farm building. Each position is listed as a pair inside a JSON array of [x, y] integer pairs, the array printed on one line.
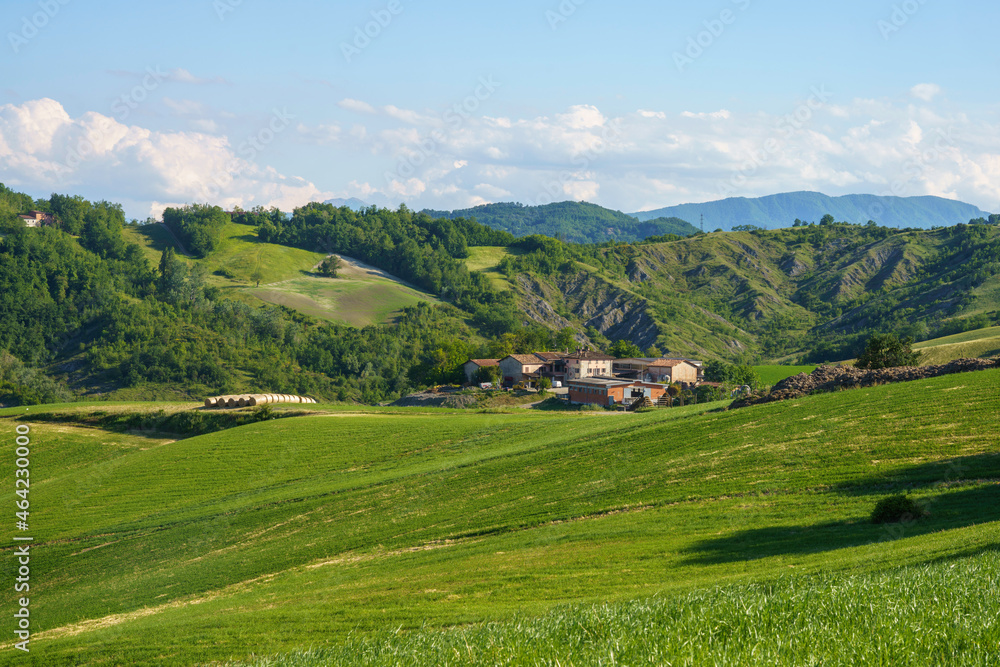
[[472, 367], [516, 368]]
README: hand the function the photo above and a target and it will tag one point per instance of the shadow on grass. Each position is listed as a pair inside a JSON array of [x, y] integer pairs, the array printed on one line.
[[925, 475], [968, 498]]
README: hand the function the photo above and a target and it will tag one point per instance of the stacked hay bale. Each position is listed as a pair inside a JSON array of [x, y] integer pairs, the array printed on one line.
[[253, 400]]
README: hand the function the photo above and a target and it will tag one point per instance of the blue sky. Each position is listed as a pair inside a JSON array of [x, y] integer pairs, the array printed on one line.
[[631, 105]]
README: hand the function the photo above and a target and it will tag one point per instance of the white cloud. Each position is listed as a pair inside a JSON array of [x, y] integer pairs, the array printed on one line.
[[649, 159], [356, 105], [925, 91], [185, 107], [45, 150]]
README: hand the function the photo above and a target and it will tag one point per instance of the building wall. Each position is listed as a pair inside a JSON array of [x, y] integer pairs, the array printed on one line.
[[682, 372], [470, 371], [587, 368], [512, 370]]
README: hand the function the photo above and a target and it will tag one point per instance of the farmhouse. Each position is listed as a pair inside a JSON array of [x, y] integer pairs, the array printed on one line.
[[514, 368], [610, 391], [472, 367], [587, 364], [37, 219]]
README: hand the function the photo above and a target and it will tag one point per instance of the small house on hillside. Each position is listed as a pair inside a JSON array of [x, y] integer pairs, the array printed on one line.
[[472, 367], [37, 219]]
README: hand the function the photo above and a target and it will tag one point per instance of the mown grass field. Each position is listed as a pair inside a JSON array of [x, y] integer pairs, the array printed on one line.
[[401, 536], [355, 300], [978, 343]]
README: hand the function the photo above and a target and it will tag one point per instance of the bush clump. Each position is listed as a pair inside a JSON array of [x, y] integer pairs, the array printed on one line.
[[895, 509]]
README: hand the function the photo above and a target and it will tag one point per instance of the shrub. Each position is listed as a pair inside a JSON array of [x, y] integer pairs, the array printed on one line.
[[895, 509], [887, 351]]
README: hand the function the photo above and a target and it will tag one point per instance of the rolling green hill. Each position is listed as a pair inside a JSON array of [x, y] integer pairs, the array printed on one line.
[[812, 293], [575, 222], [340, 527], [359, 296], [978, 343]]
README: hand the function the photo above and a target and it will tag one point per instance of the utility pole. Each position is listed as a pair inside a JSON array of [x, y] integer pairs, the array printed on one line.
[[702, 223]]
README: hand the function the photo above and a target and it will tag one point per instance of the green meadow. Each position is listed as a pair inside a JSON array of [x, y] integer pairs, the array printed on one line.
[[978, 343], [420, 536], [356, 300], [772, 375], [358, 297]]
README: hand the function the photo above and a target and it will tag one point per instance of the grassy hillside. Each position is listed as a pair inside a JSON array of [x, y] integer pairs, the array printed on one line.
[[812, 293], [360, 296], [305, 531], [978, 343]]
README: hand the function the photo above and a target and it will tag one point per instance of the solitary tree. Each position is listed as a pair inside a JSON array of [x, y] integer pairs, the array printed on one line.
[[329, 266], [887, 351]]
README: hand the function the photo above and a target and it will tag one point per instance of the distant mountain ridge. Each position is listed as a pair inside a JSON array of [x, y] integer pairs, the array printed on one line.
[[576, 222], [781, 210]]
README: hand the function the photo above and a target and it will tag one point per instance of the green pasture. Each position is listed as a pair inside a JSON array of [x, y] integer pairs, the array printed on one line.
[[772, 375], [357, 300], [946, 611], [978, 343], [397, 536], [486, 259], [240, 258]]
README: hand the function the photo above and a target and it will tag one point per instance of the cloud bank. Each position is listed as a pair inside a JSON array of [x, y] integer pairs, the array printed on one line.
[[43, 149]]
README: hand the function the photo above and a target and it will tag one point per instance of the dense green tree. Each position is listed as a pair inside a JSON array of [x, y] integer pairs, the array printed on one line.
[[887, 351], [623, 349], [329, 266], [200, 227]]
